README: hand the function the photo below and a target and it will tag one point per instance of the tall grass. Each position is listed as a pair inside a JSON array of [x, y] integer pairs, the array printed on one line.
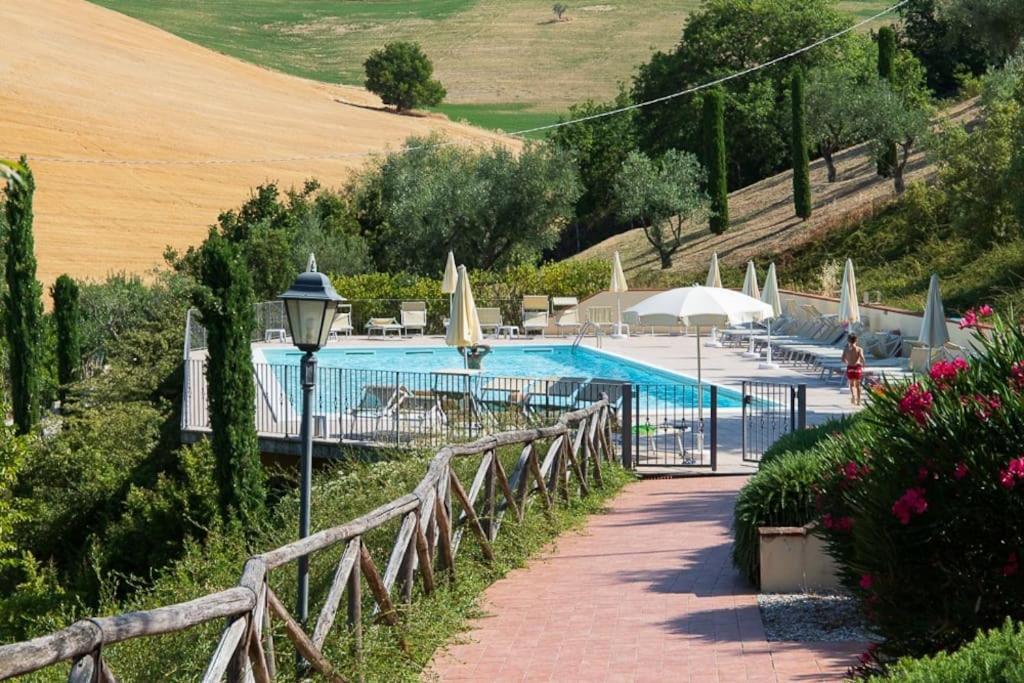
[[341, 492]]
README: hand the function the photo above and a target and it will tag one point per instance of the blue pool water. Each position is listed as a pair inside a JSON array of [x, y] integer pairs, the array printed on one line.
[[414, 364]]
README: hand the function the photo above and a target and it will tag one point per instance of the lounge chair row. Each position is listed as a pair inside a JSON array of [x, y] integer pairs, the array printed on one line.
[[393, 412], [816, 344]]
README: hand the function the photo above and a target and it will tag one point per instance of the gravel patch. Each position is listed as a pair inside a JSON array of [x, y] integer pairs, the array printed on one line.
[[808, 617]]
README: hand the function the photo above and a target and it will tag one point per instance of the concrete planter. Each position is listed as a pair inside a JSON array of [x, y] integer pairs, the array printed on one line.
[[793, 560]]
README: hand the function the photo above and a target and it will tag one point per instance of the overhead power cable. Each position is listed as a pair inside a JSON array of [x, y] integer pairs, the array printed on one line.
[[517, 133]]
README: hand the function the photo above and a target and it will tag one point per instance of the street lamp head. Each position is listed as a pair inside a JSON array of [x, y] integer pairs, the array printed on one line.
[[311, 304]]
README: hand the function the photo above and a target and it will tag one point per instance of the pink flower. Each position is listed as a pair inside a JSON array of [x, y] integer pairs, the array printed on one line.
[[985, 311], [960, 471], [1014, 471], [1017, 375], [969, 319], [1006, 479], [917, 403], [826, 521], [922, 473], [844, 524], [867, 581], [1011, 566], [911, 503], [851, 471], [943, 372]]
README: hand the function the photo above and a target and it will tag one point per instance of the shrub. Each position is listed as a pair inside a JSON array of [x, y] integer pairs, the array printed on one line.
[[401, 75], [782, 493], [931, 498], [806, 439], [378, 294], [993, 657]]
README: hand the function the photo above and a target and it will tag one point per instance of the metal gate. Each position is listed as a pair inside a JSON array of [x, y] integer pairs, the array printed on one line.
[[669, 425], [769, 411]]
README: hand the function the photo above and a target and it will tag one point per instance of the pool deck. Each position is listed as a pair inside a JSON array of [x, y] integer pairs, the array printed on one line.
[[678, 353]]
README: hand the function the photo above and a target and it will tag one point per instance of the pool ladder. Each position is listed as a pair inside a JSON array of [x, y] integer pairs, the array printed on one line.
[[586, 327]]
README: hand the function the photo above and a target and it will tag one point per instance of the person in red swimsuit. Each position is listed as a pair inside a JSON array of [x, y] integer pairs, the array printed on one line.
[[853, 356]]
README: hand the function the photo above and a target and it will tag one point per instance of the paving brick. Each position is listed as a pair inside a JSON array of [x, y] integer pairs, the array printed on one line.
[[645, 592]]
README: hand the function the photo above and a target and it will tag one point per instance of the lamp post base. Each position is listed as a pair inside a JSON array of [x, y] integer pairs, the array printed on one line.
[[767, 365]]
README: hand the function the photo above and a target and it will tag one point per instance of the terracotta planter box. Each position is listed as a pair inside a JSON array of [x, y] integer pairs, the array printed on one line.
[[795, 561]]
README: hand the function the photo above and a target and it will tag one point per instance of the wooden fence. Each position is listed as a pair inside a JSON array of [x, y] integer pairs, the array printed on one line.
[[425, 549]]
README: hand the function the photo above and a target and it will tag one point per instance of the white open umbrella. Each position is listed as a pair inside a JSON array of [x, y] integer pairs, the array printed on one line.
[[750, 287], [617, 287], [450, 280], [770, 295], [701, 306], [933, 326], [464, 327], [849, 309]]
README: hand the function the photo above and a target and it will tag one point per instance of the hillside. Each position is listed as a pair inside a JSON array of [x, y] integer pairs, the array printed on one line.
[[82, 81], [762, 218], [506, 65]]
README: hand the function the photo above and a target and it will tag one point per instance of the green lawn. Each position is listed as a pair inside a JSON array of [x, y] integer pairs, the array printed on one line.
[[505, 117], [506, 63]]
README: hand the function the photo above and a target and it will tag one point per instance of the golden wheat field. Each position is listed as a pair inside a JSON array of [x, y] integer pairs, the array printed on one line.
[[80, 81]]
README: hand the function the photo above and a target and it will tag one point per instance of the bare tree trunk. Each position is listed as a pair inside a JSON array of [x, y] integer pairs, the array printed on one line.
[[666, 259], [830, 164], [897, 178]]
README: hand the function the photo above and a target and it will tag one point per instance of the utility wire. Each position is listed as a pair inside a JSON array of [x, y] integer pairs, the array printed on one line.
[[447, 143]]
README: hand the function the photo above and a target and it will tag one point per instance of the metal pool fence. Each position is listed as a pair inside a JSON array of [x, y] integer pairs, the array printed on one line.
[[655, 425]]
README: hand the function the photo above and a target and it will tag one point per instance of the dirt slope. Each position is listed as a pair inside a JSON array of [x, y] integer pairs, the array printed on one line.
[[77, 80], [762, 218]]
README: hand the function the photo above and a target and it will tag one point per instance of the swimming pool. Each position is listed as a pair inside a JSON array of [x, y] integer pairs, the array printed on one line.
[[407, 364]]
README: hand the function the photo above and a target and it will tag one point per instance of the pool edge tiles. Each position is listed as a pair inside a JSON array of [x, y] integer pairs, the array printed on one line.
[[516, 361]]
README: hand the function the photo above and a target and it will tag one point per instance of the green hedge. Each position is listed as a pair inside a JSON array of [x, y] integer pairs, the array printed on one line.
[[804, 439], [380, 294], [782, 493], [993, 657]]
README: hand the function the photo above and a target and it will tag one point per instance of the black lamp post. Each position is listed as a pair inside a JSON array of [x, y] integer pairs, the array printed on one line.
[[311, 304]]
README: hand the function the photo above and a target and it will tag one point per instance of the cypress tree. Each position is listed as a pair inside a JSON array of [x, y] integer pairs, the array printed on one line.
[[225, 302], [66, 318], [714, 160], [886, 69], [23, 307], [801, 162]]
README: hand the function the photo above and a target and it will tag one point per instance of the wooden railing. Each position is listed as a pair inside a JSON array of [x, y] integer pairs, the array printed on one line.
[[425, 549]]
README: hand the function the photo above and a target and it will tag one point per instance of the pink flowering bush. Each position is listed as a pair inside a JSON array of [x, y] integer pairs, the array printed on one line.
[[923, 507]]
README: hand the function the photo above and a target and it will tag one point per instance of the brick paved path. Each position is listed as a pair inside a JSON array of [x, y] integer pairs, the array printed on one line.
[[645, 593]]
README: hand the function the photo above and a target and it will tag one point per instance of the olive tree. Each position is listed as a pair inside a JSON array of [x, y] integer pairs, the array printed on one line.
[[892, 118], [834, 107], [661, 195]]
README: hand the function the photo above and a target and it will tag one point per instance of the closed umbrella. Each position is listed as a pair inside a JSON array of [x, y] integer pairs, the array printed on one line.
[[701, 306], [450, 280], [617, 287], [933, 327], [464, 327], [714, 277], [750, 287], [849, 310], [714, 280], [770, 295]]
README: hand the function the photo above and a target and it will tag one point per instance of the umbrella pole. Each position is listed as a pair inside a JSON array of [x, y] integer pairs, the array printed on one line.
[[768, 364], [617, 331], [700, 401]]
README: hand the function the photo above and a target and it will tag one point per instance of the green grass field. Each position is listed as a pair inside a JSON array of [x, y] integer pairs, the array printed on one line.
[[506, 64]]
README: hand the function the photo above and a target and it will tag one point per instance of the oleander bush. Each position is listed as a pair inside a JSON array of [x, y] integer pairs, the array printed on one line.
[[924, 510], [996, 656]]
